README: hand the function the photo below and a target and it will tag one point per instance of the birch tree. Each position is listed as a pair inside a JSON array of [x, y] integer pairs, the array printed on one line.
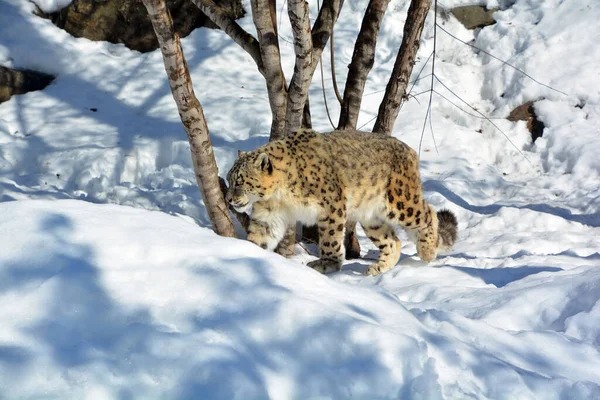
[[363, 59], [288, 101], [192, 117], [395, 92]]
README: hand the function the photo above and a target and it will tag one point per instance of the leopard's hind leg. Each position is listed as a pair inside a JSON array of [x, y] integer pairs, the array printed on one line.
[[407, 208], [427, 234], [384, 237]]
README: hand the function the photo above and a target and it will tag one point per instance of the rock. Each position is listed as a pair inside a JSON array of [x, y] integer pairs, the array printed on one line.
[[474, 16], [127, 21], [13, 81], [526, 112]]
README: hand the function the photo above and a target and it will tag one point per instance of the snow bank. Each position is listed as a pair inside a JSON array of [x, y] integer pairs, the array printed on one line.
[[110, 301]]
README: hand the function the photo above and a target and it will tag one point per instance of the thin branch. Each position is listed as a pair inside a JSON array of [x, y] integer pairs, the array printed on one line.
[[323, 76], [432, 56], [485, 117], [425, 120], [418, 78], [228, 25], [305, 248], [367, 123], [418, 94], [333, 77], [432, 135], [383, 90], [502, 61], [463, 110], [325, 96], [414, 96]]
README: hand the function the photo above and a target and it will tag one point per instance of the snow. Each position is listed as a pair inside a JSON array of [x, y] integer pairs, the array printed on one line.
[[112, 285], [50, 6], [130, 302]]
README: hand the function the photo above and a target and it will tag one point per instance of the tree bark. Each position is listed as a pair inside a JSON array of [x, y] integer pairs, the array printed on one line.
[[265, 52], [309, 45], [298, 90], [192, 117], [395, 91], [307, 58], [273, 11], [323, 27], [243, 218], [306, 117], [361, 64], [271, 58]]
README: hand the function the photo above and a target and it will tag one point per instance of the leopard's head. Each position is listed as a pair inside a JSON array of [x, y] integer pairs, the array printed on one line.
[[251, 179]]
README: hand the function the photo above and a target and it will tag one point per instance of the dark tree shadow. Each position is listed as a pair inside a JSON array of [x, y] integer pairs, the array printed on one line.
[[501, 277], [231, 344], [311, 358], [592, 220], [126, 124], [81, 319]]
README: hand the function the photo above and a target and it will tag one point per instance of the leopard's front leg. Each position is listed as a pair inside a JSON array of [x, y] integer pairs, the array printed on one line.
[[259, 233], [267, 225], [331, 241]]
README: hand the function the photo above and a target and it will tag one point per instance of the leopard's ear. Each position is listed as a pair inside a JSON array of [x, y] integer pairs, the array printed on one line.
[[241, 153], [264, 163]]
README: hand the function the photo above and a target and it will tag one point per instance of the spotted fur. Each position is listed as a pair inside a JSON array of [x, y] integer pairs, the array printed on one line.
[[328, 179]]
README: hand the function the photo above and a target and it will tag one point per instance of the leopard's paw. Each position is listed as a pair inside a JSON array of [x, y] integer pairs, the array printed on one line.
[[325, 266], [377, 268]]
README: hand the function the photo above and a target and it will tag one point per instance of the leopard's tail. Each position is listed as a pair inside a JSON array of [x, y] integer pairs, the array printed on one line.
[[447, 229]]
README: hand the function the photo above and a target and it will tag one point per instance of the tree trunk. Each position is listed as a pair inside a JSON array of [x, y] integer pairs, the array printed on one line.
[[307, 57], [308, 45], [306, 117], [271, 58], [395, 91], [358, 71], [192, 117], [298, 91], [243, 218], [321, 30], [266, 26], [361, 64]]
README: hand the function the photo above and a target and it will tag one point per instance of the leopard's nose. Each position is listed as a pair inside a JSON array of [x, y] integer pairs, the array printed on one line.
[[228, 197]]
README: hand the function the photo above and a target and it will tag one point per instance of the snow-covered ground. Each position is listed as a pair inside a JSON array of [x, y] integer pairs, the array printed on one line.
[[113, 286]]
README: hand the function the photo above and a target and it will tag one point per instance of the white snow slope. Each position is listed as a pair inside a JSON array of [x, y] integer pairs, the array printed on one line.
[[112, 285]]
